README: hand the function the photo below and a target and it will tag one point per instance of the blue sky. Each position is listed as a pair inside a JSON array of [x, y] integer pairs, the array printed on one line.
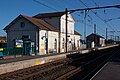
[[10, 9]]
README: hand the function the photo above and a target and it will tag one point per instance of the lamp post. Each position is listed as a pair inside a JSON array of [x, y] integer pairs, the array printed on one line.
[[106, 36]]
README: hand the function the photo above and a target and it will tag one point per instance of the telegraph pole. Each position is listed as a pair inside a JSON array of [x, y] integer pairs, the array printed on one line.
[[85, 9], [85, 25], [106, 35], [115, 38], [95, 33], [66, 12], [118, 38], [94, 28]]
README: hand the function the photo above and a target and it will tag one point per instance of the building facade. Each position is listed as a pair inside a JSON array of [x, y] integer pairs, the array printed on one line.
[[94, 40], [44, 31]]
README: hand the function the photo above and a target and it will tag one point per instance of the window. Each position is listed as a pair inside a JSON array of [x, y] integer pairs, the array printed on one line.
[[22, 24], [63, 26], [46, 44], [55, 44], [63, 29], [71, 31], [63, 44]]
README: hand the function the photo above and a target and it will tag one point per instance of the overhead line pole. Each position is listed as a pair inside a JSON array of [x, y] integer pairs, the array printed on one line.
[[85, 25], [95, 33], [106, 36], [86, 9], [66, 12]]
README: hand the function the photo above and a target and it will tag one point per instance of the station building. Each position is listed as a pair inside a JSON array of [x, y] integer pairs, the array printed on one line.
[[45, 31], [95, 40]]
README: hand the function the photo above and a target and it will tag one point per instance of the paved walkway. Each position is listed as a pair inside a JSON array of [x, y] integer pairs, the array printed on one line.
[[111, 71]]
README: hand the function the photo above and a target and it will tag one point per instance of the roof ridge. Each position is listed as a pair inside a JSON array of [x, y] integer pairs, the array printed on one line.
[[51, 14]]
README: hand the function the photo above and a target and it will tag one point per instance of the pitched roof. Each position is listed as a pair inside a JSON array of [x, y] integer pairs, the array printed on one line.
[[3, 38], [37, 22], [76, 33], [53, 14], [95, 35], [41, 23]]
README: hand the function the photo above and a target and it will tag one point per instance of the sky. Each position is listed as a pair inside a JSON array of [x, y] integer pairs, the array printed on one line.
[[10, 9]]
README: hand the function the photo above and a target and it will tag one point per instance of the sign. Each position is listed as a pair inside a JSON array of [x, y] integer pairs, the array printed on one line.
[[42, 44], [1, 49], [19, 43]]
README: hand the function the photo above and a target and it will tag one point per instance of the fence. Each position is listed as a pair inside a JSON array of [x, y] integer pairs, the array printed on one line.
[[17, 51]]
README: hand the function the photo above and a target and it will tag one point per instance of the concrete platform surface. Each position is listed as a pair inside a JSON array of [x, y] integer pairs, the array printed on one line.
[[110, 71]]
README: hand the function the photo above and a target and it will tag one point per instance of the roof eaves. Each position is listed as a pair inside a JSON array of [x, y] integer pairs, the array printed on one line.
[[77, 33]]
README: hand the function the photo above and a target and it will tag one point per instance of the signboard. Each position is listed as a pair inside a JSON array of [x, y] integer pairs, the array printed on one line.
[[42, 44], [19, 43]]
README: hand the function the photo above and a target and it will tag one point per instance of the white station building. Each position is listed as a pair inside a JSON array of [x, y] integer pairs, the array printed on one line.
[[47, 32]]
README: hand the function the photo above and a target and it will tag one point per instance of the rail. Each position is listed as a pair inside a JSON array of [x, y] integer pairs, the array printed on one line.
[[61, 69]]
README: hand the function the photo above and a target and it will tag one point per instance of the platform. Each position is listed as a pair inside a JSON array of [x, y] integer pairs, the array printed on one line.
[[110, 71], [9, 65]]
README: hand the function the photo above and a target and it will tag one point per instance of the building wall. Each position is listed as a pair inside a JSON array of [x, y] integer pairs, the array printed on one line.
[[53, 41], [60, 22], [62, 42], [98, 41], [102, 41], [42, 37], [16, 32], [70, 31], [77, 42], [52, 38], [73, 42], [70, 24]]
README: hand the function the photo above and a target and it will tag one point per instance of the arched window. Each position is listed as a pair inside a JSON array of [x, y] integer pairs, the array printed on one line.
[[63, 43], [78, 43], [55, 44], [22, 24]]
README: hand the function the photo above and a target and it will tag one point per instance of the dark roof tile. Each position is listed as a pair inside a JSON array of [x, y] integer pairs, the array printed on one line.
[[41, 23], [95, 35], [53, 14]]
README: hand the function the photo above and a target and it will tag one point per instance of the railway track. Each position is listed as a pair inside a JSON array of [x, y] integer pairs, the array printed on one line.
[[61, 69], [42, 70], [26, 73], [87, 70]]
